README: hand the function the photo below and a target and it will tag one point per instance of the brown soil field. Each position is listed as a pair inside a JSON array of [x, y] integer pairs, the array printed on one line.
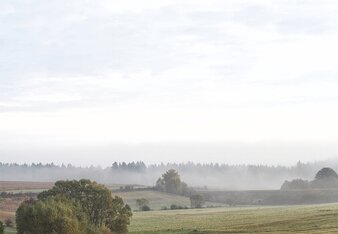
[[5, 215], [24, 185], [11, 204]]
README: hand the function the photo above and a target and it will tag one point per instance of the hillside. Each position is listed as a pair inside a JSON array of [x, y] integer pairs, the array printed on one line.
[[156, 199], [273, 197]]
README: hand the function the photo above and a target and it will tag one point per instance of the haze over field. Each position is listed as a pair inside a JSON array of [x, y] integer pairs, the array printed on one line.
[[168, 81]]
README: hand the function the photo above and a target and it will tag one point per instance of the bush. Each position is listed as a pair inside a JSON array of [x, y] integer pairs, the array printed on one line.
[[197, 201], [173, 207], [145, 208], [9, 222], [2, 228], [102, 230], [142, 203], [178, 207], [295, 184], [230, 202]]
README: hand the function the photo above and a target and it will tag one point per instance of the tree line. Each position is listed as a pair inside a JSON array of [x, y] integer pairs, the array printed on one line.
[[195, 174], [326, 178]]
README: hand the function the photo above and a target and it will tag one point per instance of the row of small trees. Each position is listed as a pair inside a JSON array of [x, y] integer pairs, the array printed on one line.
[[72, 207], [196, 201]]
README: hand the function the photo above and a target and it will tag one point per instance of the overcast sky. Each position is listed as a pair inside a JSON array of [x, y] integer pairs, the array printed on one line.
[[98, 81]]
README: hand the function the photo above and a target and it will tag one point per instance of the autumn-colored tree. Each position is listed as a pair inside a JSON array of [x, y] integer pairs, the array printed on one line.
[[96, 201]]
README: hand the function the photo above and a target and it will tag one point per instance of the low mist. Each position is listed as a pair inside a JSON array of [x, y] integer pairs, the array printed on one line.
[[207, 176], [87, 153]]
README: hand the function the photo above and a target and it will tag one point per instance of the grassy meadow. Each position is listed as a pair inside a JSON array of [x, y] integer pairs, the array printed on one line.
[[221, 219], [282, 219], [10, 231]]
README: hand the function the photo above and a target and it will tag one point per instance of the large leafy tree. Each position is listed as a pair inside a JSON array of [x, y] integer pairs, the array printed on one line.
[[53, 215], [325, 178], [326, 173], [170, 182], [95, 201]]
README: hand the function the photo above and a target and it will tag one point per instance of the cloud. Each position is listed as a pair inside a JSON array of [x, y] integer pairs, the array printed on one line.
[[62, 38], [168, 70]]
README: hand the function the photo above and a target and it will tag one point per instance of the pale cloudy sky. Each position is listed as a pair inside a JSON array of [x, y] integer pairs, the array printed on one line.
[[98, 81]]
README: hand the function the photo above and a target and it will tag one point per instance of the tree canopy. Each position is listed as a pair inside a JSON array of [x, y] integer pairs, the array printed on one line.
[[54, 215], [92, 204], [171, 182], [326, 173], [295, 184]]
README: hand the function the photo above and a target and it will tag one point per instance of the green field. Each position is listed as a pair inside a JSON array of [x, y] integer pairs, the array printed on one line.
[[10, 230], [260, 219], [26, 191], [282, 219], [278, 219]]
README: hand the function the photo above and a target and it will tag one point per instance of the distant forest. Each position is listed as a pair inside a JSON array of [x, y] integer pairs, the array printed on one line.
[[211, 176]]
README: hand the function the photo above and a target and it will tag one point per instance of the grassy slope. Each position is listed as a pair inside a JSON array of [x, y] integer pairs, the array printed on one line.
[[283, 219], [10, 230], [297, 219], [156, 199]]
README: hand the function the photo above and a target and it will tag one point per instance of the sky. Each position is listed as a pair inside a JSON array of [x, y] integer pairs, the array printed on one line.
[[91, 82]]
